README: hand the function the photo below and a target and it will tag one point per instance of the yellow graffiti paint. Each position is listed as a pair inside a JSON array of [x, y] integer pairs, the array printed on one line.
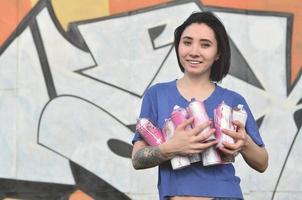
[[71, 11], [34, 2]]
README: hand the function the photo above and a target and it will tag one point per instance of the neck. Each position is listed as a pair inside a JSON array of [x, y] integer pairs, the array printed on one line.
[[196, 82], [196, 88]]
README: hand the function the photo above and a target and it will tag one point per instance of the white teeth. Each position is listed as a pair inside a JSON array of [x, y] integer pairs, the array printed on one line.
[[194, 62]]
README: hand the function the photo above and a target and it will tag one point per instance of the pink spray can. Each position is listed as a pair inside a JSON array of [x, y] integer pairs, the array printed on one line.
[[152, 135], [178, 116], [178, 162], [197, 110], [223, 118]]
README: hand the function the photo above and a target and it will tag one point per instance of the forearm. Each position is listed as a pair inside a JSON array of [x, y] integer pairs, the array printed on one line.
[[255, 156], [147, 157], [182, 143]]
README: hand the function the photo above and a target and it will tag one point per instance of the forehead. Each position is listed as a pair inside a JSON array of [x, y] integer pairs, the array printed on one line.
[[199, 31]]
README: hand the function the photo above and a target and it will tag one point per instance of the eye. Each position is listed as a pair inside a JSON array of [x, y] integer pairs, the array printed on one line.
[[205, 45], [186, 42]]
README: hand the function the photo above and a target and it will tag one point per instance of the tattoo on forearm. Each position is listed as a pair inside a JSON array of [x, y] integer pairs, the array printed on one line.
[[148, 157]]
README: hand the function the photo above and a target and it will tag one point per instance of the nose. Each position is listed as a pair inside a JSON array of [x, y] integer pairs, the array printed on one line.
[[194, 51]]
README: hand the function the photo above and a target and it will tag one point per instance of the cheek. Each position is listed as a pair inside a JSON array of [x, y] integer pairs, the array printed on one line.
[[183, 50], [212, 55], [180, 50], [181, 56]]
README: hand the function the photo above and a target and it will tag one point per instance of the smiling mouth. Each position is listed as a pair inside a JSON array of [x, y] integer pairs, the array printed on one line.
[[194, 62]]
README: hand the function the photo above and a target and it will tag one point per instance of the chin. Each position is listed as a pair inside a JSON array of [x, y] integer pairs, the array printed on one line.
[[194, 70]]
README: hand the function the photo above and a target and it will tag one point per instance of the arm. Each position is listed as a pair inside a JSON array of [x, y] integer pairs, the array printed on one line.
[[183, 142], [254, 155], [144, 156]]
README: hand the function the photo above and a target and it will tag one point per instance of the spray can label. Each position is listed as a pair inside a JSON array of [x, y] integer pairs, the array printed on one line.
[[152, 135], [178, 162], [196, 109], [178, 116]]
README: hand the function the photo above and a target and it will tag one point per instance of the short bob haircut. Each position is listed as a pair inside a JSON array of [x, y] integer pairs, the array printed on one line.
[[220, 68]]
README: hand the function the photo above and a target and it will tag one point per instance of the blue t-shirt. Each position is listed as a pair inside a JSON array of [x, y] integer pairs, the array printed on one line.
[[196, 179]]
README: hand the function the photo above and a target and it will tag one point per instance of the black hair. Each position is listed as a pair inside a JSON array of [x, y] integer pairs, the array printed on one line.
[[220, 67]]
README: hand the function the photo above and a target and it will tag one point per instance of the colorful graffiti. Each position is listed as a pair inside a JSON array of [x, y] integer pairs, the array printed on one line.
[[72, 75]]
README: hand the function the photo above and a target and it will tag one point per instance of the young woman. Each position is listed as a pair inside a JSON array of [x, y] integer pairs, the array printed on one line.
[[203, 55]]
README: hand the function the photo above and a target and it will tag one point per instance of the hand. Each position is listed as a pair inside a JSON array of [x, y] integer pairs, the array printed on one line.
[[240, 140], [188, 142]]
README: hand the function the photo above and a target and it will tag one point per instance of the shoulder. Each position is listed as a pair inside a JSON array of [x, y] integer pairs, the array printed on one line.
[[160, 88], [231, 95]]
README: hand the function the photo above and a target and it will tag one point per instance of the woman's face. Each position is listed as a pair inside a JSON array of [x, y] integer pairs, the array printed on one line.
[[198, 49]]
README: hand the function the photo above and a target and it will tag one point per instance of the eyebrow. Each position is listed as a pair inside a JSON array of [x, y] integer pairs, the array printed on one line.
[[202, 40]]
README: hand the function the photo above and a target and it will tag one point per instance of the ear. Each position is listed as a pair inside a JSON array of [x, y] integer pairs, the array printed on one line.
[[217, 57]]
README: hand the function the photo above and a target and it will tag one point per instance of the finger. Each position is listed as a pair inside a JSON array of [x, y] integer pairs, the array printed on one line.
[[186, 123], [231, 146], [205, 135], [238, 124], [229, 133], [226, 151], [240, 136], [205, 145], [200, 128], [235, 135]]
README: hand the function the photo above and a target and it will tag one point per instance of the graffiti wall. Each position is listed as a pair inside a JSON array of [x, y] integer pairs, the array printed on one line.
[[72, 75]]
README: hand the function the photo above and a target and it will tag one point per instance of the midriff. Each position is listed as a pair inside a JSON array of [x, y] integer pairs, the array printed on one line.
[[190, 198]]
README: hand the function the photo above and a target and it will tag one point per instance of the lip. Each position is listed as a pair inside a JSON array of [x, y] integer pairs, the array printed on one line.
[[194, 62]]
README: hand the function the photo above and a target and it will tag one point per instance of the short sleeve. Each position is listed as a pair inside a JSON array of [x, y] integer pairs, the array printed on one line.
[[251, 126]]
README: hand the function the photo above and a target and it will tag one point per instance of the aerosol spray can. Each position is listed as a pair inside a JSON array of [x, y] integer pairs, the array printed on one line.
[[239, 114], [223, 118], [197, 110], [152, 135], [211, 157], [178, 116], [178, 162]]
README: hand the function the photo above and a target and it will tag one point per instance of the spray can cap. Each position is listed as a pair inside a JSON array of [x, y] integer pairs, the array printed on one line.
[[240, 106], [176, 107]]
